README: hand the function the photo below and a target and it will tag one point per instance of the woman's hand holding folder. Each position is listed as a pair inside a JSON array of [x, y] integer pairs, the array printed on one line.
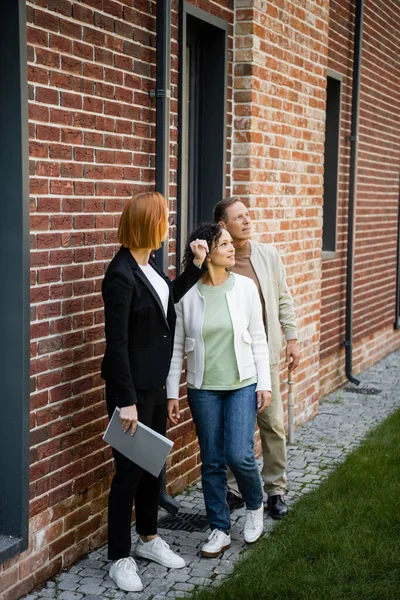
[[129, 418]]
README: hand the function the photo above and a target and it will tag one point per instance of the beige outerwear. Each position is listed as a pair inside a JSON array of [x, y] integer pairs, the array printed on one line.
[[278, 301]]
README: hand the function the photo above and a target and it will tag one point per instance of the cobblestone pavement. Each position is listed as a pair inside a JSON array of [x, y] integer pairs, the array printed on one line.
[[344, 419]]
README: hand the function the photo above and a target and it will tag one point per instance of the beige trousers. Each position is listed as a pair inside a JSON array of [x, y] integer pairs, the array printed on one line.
[[273, 443]]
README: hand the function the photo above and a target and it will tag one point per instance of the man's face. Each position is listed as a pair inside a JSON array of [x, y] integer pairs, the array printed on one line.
[[239, 222]]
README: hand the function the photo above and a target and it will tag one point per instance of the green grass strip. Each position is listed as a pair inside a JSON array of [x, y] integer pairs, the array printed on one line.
[[339, 542]]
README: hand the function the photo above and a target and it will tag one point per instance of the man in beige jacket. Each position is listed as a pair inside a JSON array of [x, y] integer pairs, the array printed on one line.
[[262, 263]]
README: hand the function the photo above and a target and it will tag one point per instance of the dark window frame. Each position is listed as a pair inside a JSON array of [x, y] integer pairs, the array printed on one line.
[[187, 172], [14, 277], [333, 139], [397, 319]]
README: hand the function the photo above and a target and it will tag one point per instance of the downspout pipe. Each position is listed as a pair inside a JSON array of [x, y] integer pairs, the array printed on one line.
[[353, 139], [162, 95]]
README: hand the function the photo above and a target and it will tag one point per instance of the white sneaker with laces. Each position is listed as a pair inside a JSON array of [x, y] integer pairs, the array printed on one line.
[[217, 542], [124, 573], [254, 525], [159, 551]]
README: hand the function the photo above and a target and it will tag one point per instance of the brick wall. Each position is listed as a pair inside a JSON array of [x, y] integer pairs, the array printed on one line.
[[279, 108], [377, 201]]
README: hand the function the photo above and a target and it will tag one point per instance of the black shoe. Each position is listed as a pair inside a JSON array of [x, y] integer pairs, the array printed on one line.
[[234, 501], [277, 508]]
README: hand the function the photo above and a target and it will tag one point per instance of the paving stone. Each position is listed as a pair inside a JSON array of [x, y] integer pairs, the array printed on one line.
[[184, 587], [68, 585], [109, 584], [92, 572], [67, 576], [70, 596], [224, 567], [47, 592], [89, 563], [177, 577], [91, 588], [200, 581], [157, 588], [111, 593], [95, 596]]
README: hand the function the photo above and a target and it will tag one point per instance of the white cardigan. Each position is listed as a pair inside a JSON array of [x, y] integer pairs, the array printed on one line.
[[250, 342]]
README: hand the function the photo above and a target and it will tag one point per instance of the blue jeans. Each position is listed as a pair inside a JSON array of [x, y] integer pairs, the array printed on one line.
[[225, 423]]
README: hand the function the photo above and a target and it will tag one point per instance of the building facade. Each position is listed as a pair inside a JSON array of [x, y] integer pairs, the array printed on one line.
[[261, 98]]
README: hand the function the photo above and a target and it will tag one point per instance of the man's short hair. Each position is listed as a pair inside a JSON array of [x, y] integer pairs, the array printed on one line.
[[219, 212]]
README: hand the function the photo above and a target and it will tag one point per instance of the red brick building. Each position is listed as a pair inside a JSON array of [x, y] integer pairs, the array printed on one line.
[[261, 98]]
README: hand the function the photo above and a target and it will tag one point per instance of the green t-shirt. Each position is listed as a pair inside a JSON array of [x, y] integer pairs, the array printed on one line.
[[220, 366]]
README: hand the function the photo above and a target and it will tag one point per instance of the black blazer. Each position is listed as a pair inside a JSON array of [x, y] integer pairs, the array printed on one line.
[[139, 337]]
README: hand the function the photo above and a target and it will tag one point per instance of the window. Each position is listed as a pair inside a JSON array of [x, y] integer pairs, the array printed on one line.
[[331, 164], [14, 277], [202, 126]]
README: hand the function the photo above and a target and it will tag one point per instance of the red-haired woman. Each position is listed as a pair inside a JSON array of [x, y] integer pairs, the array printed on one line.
[[139, 324]]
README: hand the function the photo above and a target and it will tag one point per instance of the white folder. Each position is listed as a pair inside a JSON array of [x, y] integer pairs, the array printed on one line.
[[145, 447]]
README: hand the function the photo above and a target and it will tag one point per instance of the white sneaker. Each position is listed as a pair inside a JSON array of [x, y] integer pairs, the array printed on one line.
[[124, 573], [218, 542], [159, 551], [254, 525]]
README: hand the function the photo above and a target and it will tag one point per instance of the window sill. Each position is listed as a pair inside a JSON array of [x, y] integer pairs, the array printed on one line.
[[9, 547], [328, 255]]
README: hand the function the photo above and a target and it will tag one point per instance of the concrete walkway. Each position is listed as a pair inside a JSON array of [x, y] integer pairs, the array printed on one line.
[[345, 418]]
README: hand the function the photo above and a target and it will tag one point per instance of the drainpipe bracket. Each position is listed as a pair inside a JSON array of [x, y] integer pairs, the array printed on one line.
[[351, 138], [160, 93]]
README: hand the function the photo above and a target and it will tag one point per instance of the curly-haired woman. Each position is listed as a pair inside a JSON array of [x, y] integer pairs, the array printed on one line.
[[220, 328]]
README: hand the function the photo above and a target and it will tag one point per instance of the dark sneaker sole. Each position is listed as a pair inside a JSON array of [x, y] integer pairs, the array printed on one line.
[[277, 517], [214, 554]]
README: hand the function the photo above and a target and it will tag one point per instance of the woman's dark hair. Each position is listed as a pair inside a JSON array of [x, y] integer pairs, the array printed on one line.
[[210, 232]]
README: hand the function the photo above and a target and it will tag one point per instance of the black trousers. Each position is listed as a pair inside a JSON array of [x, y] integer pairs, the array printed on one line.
[[131, 481]]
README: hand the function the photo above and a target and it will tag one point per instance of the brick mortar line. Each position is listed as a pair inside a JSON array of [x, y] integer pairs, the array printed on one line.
[[49, 70], [60, 402], [63, 434], [300, 52], [71, 19], [93, 130], [82, 179], [278, 19], [66, 416]]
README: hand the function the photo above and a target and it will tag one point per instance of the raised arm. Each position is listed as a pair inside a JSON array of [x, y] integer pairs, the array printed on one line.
[[193, 271]]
